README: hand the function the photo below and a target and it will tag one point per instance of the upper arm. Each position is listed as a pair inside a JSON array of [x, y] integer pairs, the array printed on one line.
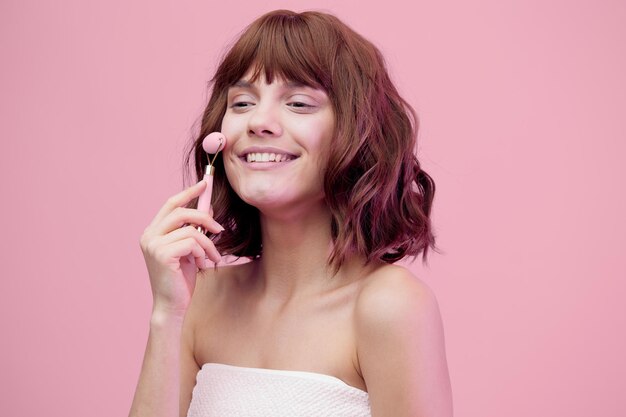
[[189, 368], [400, 347]]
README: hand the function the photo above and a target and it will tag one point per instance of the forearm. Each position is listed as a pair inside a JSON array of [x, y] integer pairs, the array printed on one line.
[[158, 389]]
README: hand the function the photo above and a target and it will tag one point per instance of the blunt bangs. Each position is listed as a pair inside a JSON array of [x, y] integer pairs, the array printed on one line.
[[283, 45]]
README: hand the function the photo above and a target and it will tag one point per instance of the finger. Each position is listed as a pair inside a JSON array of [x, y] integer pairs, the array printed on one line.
[[211, 255], [180, 217], [179, 200], [179, 250], [197, 255], [207, 245], [200, 261]]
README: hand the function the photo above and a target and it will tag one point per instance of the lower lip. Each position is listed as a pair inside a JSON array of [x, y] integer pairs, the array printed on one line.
[[263, 166]]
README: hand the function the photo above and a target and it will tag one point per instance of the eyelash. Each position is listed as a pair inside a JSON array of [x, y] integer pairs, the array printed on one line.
[[303, 104], [236, 105]]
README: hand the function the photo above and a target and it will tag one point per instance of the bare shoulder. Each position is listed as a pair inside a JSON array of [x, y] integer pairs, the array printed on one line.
[[400, 345], [392, 290]]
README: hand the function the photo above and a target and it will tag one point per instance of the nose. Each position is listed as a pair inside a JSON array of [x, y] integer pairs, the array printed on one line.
[[264, 121]]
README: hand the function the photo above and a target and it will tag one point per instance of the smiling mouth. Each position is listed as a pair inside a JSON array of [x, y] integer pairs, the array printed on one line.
[[267, 157]]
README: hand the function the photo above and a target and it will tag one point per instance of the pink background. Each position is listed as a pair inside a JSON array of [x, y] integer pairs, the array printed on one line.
[[522, 106]]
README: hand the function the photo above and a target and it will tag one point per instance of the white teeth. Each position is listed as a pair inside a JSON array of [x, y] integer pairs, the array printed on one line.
[[267, 157]]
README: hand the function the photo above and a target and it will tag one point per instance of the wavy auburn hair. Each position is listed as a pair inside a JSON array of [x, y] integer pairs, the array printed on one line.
[[379, 197]]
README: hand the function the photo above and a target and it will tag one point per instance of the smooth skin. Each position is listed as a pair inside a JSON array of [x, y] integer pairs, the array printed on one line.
[[378, 328]]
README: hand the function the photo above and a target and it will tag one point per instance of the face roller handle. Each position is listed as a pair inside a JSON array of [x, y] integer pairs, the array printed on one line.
[[212, 144]]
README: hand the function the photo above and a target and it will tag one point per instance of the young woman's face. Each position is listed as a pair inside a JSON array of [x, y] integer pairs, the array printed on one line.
[[277, 136]]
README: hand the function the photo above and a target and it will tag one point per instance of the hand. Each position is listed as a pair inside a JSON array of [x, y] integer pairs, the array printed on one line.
[[168, 244]]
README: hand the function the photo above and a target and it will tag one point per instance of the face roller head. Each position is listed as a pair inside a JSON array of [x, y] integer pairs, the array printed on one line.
[[213, 143]]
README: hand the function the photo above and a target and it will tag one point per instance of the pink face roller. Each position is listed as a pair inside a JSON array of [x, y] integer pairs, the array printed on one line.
[[212, 144]]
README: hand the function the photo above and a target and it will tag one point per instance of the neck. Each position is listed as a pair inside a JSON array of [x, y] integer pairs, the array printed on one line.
[[295, 254]]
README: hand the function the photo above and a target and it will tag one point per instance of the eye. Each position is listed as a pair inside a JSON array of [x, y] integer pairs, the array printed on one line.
[[241, 105], [299, 104]]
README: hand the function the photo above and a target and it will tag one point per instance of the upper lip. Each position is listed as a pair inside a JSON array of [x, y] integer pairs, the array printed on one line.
[[266, 149]]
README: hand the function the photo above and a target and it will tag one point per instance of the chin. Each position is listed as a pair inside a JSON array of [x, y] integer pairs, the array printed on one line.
[[270, 202], [266, 199]]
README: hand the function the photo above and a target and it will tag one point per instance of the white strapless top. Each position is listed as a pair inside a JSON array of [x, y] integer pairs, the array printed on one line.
[[235, 391]]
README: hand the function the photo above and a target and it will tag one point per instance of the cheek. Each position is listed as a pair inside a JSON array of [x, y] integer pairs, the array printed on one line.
[[228, 155], [323, 146], [230, 126], [231, 172]]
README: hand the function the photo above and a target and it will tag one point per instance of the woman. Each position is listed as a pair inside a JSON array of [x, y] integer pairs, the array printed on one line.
[[319, 187]]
